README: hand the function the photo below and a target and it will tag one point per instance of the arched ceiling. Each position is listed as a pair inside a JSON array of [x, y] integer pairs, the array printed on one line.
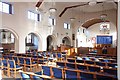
[[92, 22]]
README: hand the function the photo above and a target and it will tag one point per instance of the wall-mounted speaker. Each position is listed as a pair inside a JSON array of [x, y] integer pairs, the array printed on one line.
[[63, 41], [73, 36], [83, 30]]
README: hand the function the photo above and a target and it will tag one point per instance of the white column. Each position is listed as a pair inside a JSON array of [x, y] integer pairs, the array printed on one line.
[[16, 45], [21, 44], [44, 44], [118, 48], [40, 45]]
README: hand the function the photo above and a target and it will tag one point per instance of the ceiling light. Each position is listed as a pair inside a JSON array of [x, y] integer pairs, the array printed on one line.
[[103, 16], [72, 19], [93, 2], [52, 9]]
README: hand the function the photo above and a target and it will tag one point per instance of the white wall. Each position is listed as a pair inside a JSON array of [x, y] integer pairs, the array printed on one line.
[[94, 30], [20, 24]]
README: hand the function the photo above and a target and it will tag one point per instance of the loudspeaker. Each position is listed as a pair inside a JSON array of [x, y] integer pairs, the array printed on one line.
[[83, 30], [63, 41], [73, 36]]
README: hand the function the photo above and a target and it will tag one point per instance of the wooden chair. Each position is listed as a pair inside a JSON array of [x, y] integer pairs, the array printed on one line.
[[61, 64], [47, 70], [82, 67], [86, 76], [94, 68], [71, 74], [59, 56], [57, 73], [13, 67], [103, 77], [29, 63], [71, 65], [1, 66], [6, 67]]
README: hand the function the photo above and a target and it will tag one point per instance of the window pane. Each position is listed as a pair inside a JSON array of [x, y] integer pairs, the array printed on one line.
[[28, 14], [29, 38], [32, 16], [0, 6], [36, 17], [5, 8], [54, 21], [65, 25], [12, 38], [68, 26], [50, 21]]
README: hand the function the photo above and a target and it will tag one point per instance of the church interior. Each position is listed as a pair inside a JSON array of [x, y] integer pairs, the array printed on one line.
[[33, 47]]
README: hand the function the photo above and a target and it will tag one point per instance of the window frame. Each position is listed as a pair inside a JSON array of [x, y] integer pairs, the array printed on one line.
[[52, 21], [67, 25], [10, 8], [38, 18]]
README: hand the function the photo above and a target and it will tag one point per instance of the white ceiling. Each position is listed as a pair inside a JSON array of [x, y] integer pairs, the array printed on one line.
[[107, 5], [88, 8]]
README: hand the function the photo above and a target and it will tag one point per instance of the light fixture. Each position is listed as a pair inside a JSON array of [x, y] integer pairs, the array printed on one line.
[[103, 15], [52, 10], [72, 19], [92, 2]]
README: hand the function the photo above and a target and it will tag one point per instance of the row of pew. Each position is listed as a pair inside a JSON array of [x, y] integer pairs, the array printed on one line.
[[68, 74], [87, 68], [105, 63]]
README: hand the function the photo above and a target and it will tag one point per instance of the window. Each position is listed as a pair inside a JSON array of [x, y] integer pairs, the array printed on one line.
[[12, 38], [34, 16], [29, 38], [52, 21], [66, 26], [5, 7]]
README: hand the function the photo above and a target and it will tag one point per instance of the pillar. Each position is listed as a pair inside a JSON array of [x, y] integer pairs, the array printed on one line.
[[22, 44]]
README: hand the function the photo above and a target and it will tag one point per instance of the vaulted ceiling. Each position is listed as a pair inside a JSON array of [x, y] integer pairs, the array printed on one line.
[[79, 6]]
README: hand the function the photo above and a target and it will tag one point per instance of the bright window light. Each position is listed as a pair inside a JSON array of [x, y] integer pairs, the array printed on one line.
[[0, 6], [6, 8], [34, 16], [52, 21], [66, 26]]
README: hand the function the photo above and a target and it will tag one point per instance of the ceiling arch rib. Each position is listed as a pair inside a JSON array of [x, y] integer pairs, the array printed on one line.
[[92, 22]]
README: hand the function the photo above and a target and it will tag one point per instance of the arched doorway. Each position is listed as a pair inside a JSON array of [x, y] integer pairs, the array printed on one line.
[[50, 42], [7, 40], [31, 42], [66, 41]]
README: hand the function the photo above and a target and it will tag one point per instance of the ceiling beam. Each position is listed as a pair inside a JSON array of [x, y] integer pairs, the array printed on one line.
[[65, 9], [39, 3]]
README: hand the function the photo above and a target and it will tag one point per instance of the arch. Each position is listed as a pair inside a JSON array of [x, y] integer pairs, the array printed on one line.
[[53, 41], [39, 39], [13, 31], [91, 22], [16, 44], [68, 40]]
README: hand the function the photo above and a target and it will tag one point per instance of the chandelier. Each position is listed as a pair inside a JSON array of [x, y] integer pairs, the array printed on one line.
[[103, 17]]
